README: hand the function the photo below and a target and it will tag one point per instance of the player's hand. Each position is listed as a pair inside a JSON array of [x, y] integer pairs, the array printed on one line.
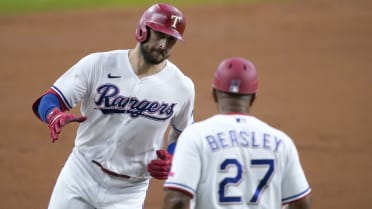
[[57, 119], [159, 168]]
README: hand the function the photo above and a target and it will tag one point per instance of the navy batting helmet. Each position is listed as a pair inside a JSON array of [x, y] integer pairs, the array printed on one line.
[[236, 75], [164, 18]]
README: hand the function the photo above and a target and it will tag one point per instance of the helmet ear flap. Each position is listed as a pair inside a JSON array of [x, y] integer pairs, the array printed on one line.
[[141, 33]]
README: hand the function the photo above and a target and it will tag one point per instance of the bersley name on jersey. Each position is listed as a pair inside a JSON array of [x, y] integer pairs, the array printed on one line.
[[140, 108], [243, 138]]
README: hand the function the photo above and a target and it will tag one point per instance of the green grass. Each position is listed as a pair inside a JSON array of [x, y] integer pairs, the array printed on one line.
[[30, 6]]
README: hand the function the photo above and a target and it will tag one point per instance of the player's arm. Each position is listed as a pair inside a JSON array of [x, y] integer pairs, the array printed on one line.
[[160, 167], [296, 190], [174, 199], [183, 118], [172, 140], [50, 109]]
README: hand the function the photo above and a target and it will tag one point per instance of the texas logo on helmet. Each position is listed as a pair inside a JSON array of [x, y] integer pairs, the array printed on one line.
[[164, 18]]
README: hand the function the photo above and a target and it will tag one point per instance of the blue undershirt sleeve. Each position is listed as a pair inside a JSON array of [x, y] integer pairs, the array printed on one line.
[[171, 147], [47, 103]]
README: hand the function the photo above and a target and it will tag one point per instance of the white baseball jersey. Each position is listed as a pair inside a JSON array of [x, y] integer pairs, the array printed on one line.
[[127, 116], [237, 161]]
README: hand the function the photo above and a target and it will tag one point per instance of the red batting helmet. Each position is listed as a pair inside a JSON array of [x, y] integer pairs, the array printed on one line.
[[164, 18], [236, 75]]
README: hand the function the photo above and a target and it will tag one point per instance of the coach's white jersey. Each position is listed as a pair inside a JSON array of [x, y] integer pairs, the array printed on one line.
[[237, 161], [127, 115]]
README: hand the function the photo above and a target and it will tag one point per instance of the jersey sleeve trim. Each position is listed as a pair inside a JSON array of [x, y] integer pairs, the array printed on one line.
[[180, 187], [176, 129], [297, 196], [60, 94]]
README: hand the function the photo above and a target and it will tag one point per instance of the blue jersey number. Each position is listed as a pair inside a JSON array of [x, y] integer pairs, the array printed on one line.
[[231, 181]]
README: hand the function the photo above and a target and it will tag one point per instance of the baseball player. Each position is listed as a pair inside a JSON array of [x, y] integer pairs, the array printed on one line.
[[128, 100], [234, 160]]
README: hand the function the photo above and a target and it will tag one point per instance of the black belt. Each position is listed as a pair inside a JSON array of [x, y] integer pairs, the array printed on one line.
[[111, 173]]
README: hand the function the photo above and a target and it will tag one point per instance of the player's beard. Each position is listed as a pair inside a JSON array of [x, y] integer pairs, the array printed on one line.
[[150, 58]]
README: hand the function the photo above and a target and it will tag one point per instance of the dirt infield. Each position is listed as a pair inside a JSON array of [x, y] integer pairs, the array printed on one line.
[[315, 70]]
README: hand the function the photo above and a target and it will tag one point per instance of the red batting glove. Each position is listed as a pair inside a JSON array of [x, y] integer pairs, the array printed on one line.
[[57, 119], [159, 168]]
